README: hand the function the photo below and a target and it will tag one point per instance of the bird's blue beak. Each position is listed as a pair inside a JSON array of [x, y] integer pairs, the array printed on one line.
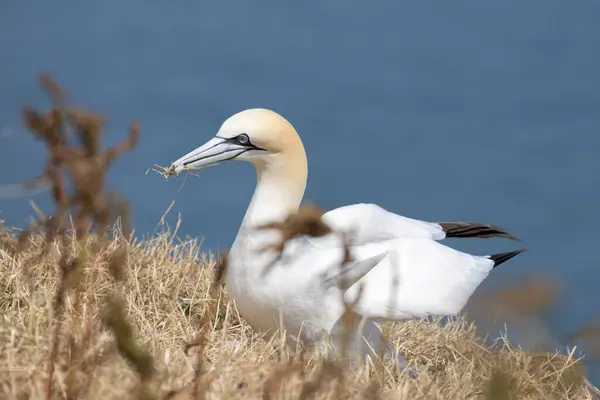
[[212, 152]]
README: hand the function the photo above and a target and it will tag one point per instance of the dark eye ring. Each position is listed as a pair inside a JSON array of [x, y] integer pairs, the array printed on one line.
[[243, 139]]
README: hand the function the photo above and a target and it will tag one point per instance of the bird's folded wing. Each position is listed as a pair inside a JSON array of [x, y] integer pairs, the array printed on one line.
[[367, 223], [418, 277], [397, 279], [371, 223], [401, 271]]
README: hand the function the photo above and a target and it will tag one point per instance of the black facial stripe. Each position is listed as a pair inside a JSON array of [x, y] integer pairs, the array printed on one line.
[[248, 145]]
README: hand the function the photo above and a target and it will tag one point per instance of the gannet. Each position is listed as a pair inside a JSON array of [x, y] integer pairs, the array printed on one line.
[[400, 269]]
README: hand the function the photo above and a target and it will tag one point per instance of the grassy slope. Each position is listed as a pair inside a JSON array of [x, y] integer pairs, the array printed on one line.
[[166, 292]]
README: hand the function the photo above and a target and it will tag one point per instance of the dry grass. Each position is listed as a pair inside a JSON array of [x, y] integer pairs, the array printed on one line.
[[166, 293], [86, 314]]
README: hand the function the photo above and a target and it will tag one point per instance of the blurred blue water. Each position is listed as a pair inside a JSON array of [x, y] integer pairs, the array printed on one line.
[[485, 111]]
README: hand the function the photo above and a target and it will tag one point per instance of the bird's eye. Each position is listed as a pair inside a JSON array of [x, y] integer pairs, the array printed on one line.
[[243, 139]]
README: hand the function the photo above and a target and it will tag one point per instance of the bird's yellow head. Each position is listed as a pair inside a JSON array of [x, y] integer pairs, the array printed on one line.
[[257, 135]]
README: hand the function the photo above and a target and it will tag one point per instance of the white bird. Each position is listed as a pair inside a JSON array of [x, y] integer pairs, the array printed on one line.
[[401, 270]]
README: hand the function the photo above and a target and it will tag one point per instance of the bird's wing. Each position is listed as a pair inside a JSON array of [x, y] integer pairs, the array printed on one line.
[[402, 278], [369, 223], [366, 223], [417, 277], [400, 270]]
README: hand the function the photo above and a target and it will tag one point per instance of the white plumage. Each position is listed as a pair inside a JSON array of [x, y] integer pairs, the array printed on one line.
[[400, 268]]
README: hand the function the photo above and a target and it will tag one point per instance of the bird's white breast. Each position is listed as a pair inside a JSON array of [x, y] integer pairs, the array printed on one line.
[[287, 293]]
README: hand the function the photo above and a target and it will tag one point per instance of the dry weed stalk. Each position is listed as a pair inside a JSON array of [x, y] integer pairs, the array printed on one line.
[[86, 165], [305, 221], [529, 296]]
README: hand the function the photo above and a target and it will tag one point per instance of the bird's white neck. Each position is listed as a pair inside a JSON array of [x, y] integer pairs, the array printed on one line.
[[281, 181]]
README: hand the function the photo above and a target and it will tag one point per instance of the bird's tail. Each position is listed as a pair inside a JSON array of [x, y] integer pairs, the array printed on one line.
[[500, 258]]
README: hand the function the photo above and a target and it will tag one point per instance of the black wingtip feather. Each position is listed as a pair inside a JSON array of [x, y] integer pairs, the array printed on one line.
[[462, 229], [503, 257]]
